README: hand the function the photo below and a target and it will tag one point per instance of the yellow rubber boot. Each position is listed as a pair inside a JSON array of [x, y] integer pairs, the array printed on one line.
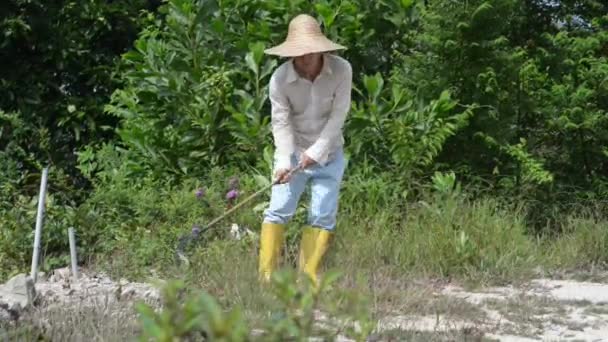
[[313, 246], [272, 237]]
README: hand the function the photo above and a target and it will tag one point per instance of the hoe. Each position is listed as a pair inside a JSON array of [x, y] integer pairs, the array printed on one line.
[[195, 235]]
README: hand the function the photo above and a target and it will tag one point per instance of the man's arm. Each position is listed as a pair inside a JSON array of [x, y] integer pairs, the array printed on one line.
[[281, 125], [333, 127]]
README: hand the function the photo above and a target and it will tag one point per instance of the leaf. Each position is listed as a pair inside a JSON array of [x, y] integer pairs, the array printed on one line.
[[260, 207], [261, 180], [397, 94], [245, 96], [236, 324], [211, 309], [133, 56], [450, 44], [462, 26], [481, 11], [326, 13], [218, 26], [197, 154], [141, 45], [407, 3], [251, 64], [148, 317], [257, 50], [330, 278], [268, 68], [181, 65], [373, 85], [397, 19]]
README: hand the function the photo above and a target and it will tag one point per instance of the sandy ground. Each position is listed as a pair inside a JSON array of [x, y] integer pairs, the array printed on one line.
[[539, 310]]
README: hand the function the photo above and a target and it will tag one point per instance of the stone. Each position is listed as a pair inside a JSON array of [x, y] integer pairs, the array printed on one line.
[[5, 315], [49, 296], [61, 274], [238, 233], [128, 293], [151, 294], [18, 293], [87, 291], [235, 232]]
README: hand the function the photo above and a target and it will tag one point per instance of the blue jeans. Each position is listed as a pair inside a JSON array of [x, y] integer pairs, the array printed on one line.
[[325, 183]]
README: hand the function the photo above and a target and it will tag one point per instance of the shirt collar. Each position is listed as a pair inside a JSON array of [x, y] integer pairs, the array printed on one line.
[[292, 74]]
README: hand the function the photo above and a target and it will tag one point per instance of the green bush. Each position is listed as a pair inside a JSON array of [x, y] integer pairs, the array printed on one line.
[[187, 315], [209, 102]]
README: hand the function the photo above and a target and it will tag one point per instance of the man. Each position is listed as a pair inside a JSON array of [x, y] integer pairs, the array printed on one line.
[[310, 95]]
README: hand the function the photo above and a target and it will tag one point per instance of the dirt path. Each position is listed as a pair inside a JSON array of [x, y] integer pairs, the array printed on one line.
[[541, 310]]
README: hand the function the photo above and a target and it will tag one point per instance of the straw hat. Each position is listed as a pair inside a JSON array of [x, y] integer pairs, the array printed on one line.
[[304, 37]]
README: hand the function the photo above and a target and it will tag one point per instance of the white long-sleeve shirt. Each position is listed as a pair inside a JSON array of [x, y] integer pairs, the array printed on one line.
[[309, 116]]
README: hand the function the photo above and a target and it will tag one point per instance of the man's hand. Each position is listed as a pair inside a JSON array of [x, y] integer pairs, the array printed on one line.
[[306, 161], [282, 176]]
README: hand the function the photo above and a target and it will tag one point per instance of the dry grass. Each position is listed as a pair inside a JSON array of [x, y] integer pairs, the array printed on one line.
[[525, 315], [110, 322], [424, 336]]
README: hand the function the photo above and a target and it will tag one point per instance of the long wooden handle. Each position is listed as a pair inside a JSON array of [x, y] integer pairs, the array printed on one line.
[[249, 198]]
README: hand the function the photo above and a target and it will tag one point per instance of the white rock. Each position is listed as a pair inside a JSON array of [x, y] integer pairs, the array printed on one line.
[[5, 315], [235, 231], [61, 274], [18, 293], [238, 233], [128, 293]]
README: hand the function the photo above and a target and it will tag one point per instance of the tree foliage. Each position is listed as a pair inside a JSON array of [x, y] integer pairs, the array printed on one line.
[[198, 80], [508, 91], [538, 87], [58, 60], [509, 94]]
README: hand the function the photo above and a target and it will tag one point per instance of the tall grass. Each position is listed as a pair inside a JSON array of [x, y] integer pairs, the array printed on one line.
[[382, 232], [582, 244], [385, 239], [451, 238], [389, 246]]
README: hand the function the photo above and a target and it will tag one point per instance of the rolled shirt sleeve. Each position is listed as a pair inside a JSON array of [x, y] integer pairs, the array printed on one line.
[[281, 126], [333, 128]]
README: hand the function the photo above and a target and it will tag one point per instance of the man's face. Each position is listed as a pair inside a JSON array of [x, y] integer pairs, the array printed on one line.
[[309, 62]]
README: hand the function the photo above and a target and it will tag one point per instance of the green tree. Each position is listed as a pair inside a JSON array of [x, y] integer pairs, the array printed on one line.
[[57, 65], [537, 85], [198, 78]]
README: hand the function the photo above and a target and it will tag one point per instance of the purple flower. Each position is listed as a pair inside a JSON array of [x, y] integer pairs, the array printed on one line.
[[232, 195], [196, 230], [200, 192]]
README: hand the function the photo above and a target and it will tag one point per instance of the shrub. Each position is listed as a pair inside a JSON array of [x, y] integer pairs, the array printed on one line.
[[295, 315]]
